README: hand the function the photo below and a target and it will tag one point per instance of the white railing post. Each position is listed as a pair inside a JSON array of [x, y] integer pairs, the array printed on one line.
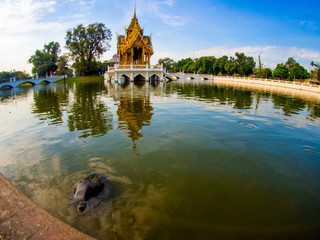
[[131, 79]]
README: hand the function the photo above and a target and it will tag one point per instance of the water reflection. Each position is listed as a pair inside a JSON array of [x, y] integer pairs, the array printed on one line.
[[213, 160], [82, 105], [88, 113], [14, 93], [245, 99], [289, 106], [48, 103], [134, 113], [134, 107]]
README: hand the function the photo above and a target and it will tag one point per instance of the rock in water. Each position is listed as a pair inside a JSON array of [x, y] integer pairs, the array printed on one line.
[[86, 191]]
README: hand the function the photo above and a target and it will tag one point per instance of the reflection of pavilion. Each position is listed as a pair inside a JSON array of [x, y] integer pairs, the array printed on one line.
[[135, 50], [133, 114], [134, 109]]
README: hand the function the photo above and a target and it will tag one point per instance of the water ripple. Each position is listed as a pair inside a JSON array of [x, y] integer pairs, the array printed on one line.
[[248, 125]]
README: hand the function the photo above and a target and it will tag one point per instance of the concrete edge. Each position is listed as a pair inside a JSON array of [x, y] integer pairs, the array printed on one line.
[[21, 218]]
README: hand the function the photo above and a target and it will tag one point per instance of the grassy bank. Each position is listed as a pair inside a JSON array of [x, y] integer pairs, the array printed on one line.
[[77, 79]]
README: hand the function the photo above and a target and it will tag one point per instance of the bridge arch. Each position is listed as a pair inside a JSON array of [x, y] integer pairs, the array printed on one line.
[[155, 77], [24, 82], [140, 77], [45, 81], [125, 77], [6, 86]]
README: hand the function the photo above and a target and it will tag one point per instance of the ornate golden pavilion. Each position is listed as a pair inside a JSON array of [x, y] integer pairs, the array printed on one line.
[[133, 47], [135, 50]]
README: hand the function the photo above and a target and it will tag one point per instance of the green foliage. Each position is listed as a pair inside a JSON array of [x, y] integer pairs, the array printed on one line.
[[231, 66], [299, 72], [167, 63], [219, 65], [63, 67], [45, 61], [281, 71], [291, 62], [245, 64], [317, 65], [5, 76], [86, 45], [240, 65], [267, 73]]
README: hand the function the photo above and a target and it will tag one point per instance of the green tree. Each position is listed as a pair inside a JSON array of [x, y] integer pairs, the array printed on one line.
[[281, 71], [299, 72], [267, 73], [23, 75], [206, 64], [45, 61], [231, 66], [5, 76], [62, 64], [185, 65], [317, 65], [245, 64], [291, 62], [86, 45], [219, 65], [167, 63]]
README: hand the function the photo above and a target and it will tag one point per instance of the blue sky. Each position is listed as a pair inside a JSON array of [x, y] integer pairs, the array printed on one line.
[[274, 29]]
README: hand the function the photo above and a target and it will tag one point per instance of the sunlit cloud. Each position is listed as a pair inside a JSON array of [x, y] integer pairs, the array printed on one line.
[[162, 10], [84, 5], [24, 15]]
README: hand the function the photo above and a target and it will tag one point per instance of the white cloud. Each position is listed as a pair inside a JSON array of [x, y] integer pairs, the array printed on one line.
[[163, 10], [23, 15], [169, 3], [84, 5], [26, 25]]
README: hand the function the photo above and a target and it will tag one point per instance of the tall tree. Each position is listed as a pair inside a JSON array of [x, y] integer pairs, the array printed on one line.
[[231, 66], [291, 63], [245, 64], [167, 63], [299, 72], [45, 61], [260, 67], [63, 66], [219, 65], [267, 73], [317, 65], [86, 45], [281, 71]]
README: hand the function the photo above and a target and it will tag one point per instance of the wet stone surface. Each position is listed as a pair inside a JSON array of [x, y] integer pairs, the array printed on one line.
[[20, 218]]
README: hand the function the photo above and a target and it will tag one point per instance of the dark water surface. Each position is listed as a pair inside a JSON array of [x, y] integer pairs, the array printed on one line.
[[185, 160]]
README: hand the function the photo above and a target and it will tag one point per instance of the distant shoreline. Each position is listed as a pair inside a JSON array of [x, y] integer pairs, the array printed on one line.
[[294, 89]]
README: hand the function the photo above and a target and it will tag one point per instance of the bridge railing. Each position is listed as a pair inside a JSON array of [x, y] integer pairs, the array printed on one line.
[[133, 66]]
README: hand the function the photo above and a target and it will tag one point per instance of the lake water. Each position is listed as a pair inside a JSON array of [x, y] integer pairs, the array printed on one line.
[[184, 160]]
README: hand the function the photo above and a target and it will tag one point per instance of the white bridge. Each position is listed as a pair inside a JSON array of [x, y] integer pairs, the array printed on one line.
[[133, 72], [14, 84]]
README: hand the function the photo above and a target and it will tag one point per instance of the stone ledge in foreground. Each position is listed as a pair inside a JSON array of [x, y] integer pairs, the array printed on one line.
[[20, 218]]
